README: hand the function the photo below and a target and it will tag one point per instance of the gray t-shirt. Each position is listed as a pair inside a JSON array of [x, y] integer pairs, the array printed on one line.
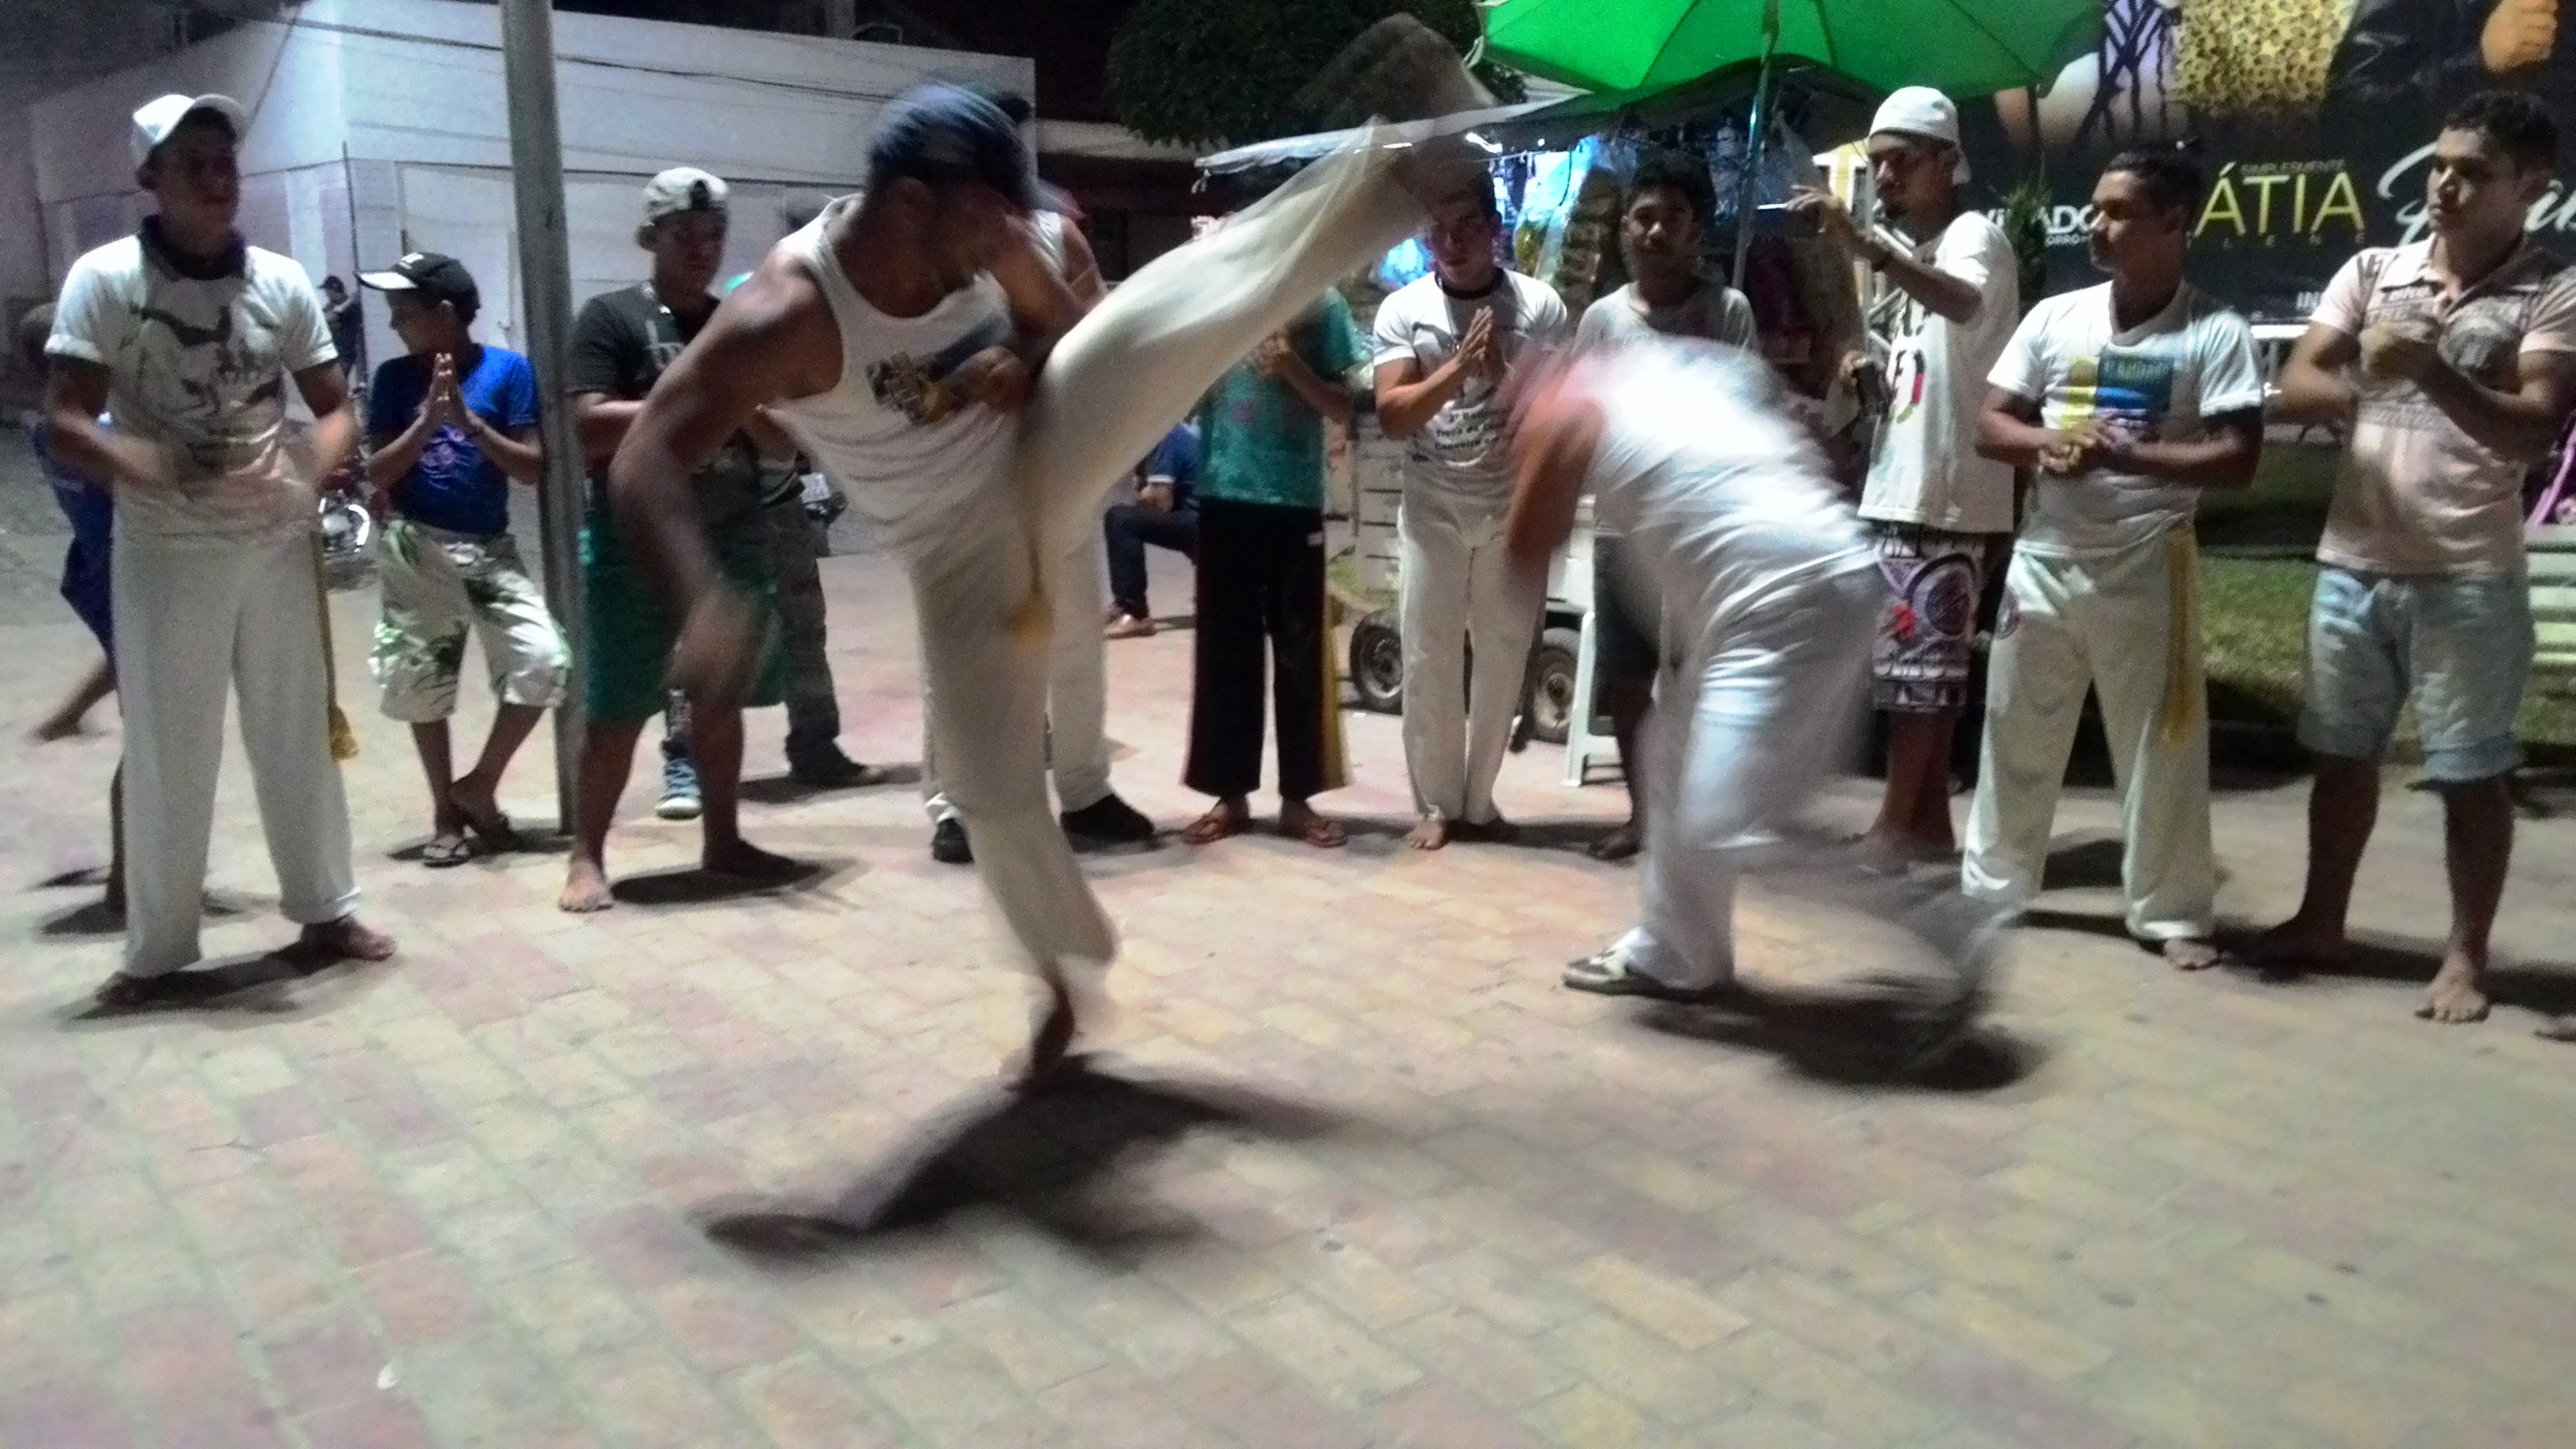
[[1460, 449], [1714, 313]]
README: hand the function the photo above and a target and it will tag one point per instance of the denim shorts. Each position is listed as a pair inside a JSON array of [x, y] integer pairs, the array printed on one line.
[[2458, 648]]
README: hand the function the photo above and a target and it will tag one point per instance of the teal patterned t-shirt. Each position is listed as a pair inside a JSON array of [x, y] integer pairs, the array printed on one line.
[[1259, 441]]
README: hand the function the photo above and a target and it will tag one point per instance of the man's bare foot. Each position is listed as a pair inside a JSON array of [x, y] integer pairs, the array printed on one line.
[[1895, 852], [1620, 844], [2299, 942], [2457, 995], [346, 939], [1431, 834], [585, 888], [1053, 1037], [1298, 821], [1224, 818], [2185, 954], [1496, 831], [739, 859]]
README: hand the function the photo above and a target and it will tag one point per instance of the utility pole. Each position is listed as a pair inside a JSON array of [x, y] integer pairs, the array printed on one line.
[[545, 291]]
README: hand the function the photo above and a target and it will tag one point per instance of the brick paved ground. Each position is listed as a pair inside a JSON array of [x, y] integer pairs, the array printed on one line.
[[1360, 1173]]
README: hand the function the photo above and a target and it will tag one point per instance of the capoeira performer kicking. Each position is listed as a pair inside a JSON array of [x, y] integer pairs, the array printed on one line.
[[927, 356], [1770, 591]]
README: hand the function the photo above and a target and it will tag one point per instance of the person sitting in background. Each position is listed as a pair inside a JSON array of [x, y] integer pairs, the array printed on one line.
[[91, 510], [1166, 514], [348, 325], [450, 426], [1660, 233], [1261, 575]]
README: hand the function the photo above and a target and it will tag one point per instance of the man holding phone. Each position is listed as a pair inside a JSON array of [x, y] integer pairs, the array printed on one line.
[[1936, 509]]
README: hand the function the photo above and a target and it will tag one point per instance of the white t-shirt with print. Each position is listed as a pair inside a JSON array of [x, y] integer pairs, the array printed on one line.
[[2155, 382], [893, 432], [1925, 469], [1714, 313], [1460, 450], [199, 368]]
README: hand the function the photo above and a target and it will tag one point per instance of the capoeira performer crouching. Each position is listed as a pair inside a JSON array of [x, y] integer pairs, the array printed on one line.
[[1770, 591], [925, 354]]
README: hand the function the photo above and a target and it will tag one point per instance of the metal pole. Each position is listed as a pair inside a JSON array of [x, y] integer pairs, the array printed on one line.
[[1748, 186], [545, 290]]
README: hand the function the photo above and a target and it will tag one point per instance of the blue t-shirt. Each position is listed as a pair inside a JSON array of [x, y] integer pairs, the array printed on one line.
[[1177, 458], [454, 486]]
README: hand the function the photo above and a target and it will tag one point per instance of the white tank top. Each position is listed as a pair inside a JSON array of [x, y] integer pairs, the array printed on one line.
[[909, 451]]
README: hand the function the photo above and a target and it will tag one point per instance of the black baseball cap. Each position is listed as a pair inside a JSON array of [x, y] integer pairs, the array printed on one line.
[[945, 134], [436, 278]]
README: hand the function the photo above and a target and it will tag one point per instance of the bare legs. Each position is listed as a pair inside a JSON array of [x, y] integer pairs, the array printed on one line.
[[1628, 700], [458, 804], [68, 716], [2477, 841], [608, 753], [1914, 815]]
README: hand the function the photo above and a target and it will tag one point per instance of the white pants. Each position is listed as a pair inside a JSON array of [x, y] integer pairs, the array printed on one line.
[[1077, 707], [2128, 625], [1744, 730], [1459, 590], [1114, 386], [195, 620]]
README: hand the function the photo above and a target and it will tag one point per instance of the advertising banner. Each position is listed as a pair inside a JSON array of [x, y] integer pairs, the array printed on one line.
[[2314, 118]]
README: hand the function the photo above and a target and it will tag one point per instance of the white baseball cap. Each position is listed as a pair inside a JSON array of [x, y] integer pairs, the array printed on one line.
[[154, 123], [1927, 115]]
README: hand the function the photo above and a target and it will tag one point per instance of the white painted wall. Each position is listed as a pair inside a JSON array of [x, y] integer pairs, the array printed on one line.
[[381, 126]]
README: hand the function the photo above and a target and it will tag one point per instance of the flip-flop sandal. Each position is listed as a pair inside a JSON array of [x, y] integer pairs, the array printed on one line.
[[446, 853], [1225, 828], [1610, 973], [1320, 833], [496, 832]]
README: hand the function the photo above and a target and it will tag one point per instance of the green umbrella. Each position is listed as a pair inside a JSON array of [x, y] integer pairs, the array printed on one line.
[[1963, 47]]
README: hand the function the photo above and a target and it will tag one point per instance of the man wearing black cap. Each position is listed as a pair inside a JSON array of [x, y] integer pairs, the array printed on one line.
[[452, 424], [926, 354], [185, 335]]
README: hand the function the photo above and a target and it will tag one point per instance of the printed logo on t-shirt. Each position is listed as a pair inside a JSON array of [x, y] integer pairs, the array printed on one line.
[[919, 388], [201, 372], [2130, 393]]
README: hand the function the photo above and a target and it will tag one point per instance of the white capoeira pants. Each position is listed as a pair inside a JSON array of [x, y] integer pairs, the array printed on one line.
[[1457, 590], [197, 620], [1115, 384], [2128, 625], [1077, 722], [1745, 728]]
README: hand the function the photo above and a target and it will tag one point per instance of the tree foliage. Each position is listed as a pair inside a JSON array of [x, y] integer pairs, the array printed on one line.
[[1200, 72]]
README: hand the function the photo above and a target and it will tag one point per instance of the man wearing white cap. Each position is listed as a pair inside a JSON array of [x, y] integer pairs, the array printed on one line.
[[1937, 511], [184, 335]]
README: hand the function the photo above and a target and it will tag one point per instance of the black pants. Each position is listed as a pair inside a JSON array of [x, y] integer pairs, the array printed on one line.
[[1261, 573], [1130, 528]]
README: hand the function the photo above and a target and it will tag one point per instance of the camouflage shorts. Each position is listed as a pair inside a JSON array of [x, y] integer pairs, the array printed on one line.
[[438, 586]]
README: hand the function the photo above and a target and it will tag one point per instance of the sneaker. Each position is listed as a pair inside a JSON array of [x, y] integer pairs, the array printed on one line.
[[1108, 821], [948, 843], [679, 789], [827, 768], [1130, 626]]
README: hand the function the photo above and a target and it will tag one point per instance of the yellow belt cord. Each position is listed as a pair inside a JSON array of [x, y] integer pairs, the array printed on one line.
[[344, 740], [2182, 682]]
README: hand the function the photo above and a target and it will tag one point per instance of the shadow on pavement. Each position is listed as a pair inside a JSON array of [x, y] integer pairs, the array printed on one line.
[[787, 789], [1872, 1034], [2547, 987], [249, 989], [696, 886], [1054, 1157], [98, 919]]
